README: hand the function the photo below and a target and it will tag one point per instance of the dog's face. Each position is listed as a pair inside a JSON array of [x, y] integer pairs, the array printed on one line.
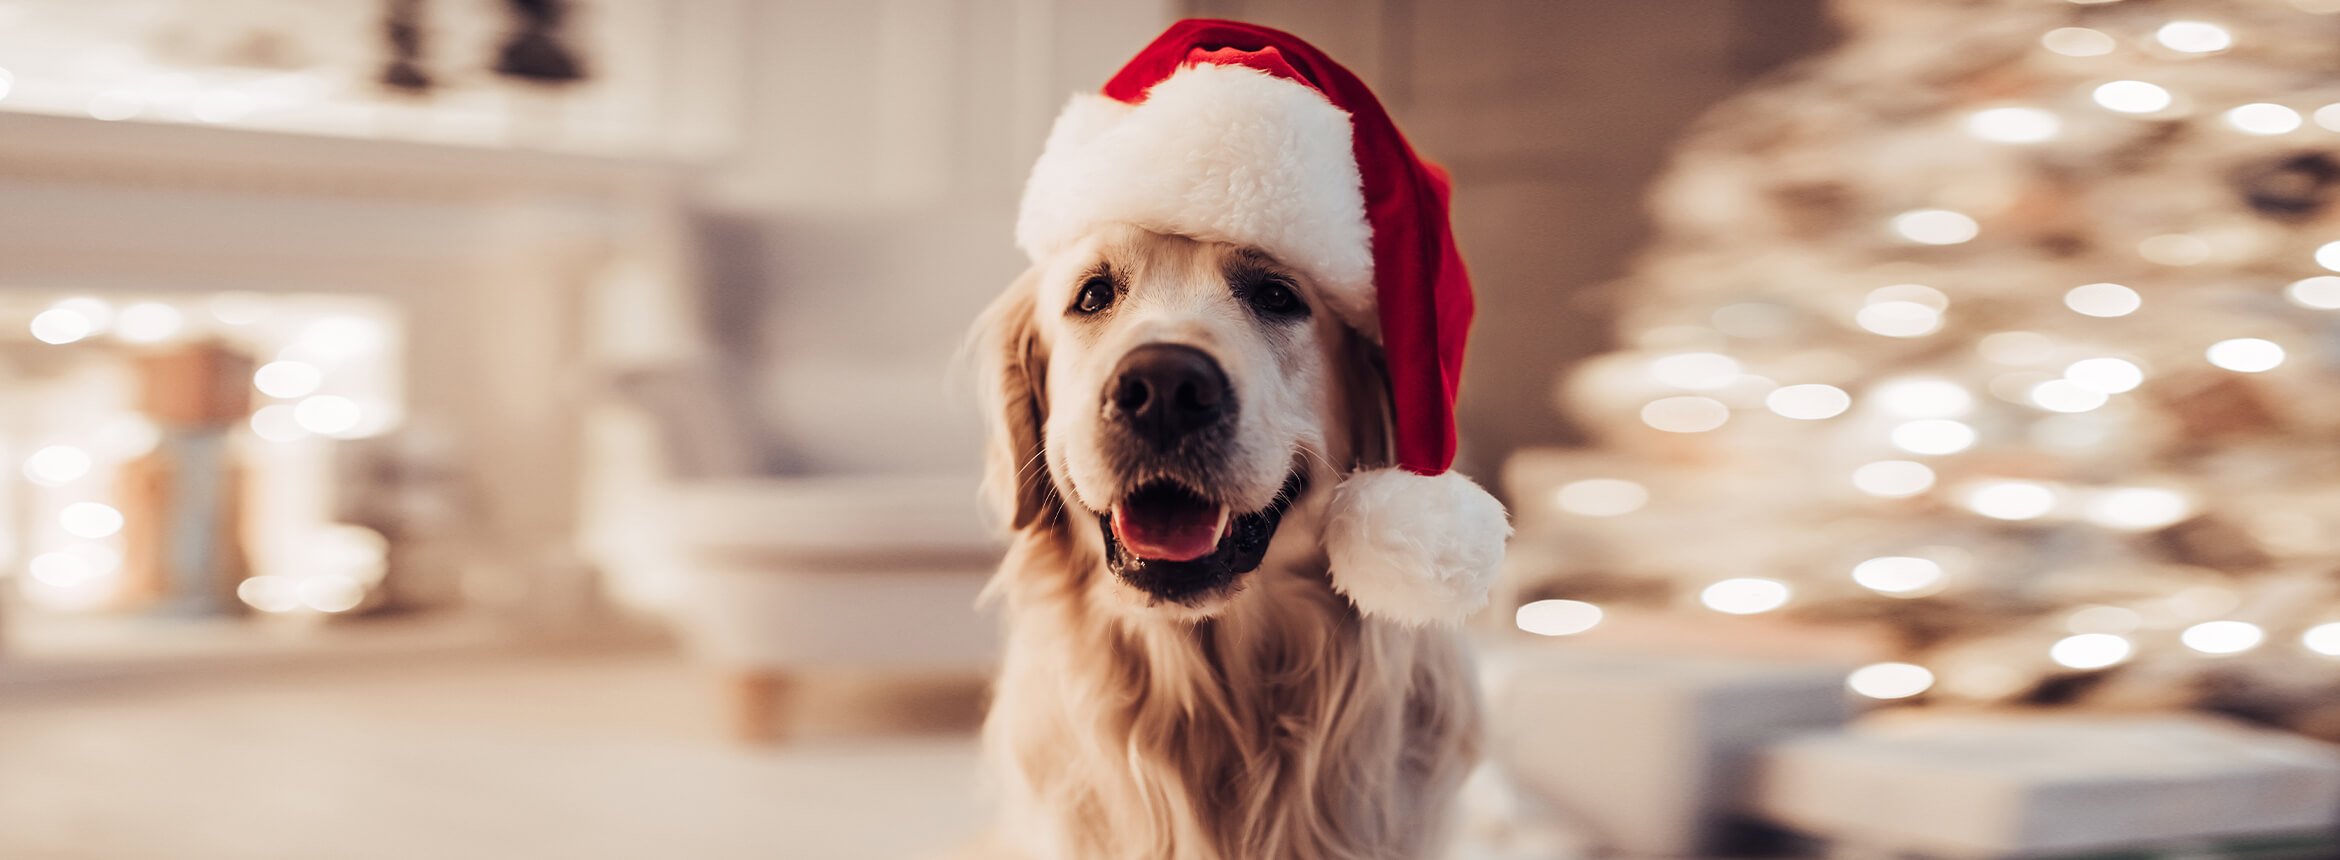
[[1188, 400]]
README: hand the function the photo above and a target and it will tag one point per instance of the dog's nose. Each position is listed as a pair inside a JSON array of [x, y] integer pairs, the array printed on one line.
[[1165, 391]]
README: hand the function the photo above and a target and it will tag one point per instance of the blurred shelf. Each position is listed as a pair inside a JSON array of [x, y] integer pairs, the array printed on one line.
[[41, 146]]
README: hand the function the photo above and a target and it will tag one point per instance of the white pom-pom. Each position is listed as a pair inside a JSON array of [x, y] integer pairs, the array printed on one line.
[[1415, 549]]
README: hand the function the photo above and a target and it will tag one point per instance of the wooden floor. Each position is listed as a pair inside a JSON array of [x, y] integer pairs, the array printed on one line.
[[515, 757]]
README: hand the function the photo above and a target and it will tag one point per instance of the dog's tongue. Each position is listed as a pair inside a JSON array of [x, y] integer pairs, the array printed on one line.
[[1167, 523]]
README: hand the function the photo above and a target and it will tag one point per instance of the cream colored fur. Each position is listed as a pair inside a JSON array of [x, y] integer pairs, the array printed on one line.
[[1275, 724]]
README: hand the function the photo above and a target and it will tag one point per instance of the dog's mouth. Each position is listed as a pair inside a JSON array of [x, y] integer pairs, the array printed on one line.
[[1175, 544], [1165, 521]]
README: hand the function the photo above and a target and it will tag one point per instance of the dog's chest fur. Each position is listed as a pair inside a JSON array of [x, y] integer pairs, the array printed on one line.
[[1286, 727]]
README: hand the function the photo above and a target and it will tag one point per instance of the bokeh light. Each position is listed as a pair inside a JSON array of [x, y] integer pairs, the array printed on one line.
[[1678, 414], [2245, 354], [1557, 617], [2090, 650], [1601, 497], [2223, 637], [1745, 595], [1893, 479], [1890, 680]]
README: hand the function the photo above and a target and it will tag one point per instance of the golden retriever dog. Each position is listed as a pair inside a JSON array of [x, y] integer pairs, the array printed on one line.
[[1170, 417]]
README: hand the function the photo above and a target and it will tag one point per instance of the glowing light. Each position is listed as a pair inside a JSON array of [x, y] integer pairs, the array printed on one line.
[[2108, 375], [330, 592], [1935, 227], [2193, 37], [1745, 595], [62, 570], [56, 465], [116, 104], [7, 82], [1899, 319], [1685, 414], [2132, 97], [1893, 479], [2245, 355], [2103, 300], [2099, 618], [127, 436], [2223, 637], [287, 379], [2323, 639], [1810, 402], [1934, 436], [268, 594], [2321, 292], [148, 322], [1699, 371], [1922, 397], [1557, 617], [327, 415], [1601, 497], [90, 520], [2013, 125], [1890, 680], [2328, 116], [2138, 508], [2077, 42], [2174, 249], [2263, 118], [2017, 347], [2090, 650], [60, 326], [2011, 500], [1899, 575], [2064, 395], [2328, 256]]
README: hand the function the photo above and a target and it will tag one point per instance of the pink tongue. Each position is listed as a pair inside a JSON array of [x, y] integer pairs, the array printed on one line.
[[1167, 532]]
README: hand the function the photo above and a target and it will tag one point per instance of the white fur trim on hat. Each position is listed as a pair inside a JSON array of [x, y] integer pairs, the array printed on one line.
[[1416, 549], [1222, 153]]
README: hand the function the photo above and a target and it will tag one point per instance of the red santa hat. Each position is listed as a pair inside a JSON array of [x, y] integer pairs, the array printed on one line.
[[1235, 133]]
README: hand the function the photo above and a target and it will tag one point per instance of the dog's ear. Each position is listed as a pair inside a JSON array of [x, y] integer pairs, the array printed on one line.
[[1364, 382], [1014, 389]]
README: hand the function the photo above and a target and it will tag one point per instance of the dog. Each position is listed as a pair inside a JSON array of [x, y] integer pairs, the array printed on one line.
[[1181, 679]]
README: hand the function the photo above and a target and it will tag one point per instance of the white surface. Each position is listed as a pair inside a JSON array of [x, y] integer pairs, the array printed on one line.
[[1988, 786], [1646, 754], [510, 759], [858, 514], [851, 619], [867, 571]]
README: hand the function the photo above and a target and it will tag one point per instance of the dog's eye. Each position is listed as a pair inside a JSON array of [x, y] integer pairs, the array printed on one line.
[[1096, 295], [1275, 298]]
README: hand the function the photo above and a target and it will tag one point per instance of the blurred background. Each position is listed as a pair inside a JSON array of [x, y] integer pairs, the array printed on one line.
[[527, 428]]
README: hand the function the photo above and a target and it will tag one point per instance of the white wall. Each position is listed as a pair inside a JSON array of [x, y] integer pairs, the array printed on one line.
[[867, 212]]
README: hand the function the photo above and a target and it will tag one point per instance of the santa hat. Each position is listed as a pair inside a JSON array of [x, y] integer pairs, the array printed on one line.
[[1234, 133]]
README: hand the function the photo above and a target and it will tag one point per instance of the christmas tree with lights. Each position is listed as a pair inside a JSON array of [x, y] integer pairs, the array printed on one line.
[[2005, 332]]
